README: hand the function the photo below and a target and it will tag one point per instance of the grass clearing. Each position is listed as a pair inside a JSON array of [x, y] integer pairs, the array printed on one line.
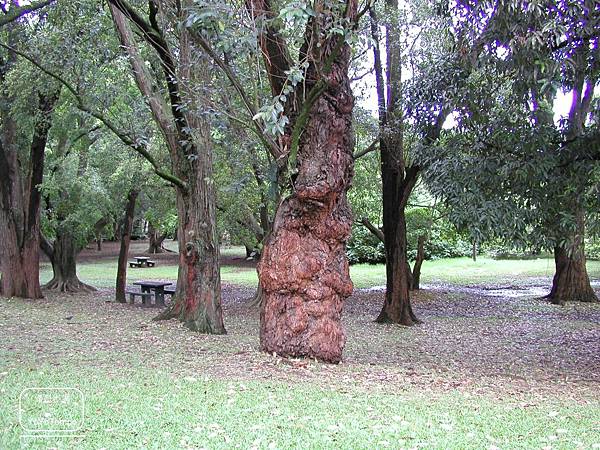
[[482, 371], [457, 271], [143, 409]]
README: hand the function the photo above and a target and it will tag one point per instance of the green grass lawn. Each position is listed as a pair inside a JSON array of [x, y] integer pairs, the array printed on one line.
[[155, 385], [454, 271], [143, 409]]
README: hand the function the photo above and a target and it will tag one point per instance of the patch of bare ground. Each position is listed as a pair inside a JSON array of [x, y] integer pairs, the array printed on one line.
[[479, 344]]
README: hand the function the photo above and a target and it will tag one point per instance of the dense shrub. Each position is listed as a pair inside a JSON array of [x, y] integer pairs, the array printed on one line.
[[364, 247], [443, 241]]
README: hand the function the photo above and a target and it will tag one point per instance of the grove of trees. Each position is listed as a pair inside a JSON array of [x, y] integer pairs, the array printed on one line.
[[290, 127]]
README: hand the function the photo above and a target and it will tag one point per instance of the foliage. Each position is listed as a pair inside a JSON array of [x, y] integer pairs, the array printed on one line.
[[442, 240], [364, 247]]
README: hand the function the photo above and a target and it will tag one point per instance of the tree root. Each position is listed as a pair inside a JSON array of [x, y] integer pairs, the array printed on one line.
[[71, 285], [170, 312]]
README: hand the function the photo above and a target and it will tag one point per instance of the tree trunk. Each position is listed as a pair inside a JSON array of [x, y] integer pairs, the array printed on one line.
[[571, 282], [474, 250], [64, 265], [156, 239], [416, 272], [396, 307], [258, 298], [20, 264], [303, 268], [20, 200], [98, 228], [197, 302], [127, 226]]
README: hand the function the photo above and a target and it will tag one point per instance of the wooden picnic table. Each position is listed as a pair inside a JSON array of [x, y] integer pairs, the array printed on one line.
[[157, 286], [141, 259]]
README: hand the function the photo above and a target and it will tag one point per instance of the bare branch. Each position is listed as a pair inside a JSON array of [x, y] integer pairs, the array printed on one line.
[[372, 147]]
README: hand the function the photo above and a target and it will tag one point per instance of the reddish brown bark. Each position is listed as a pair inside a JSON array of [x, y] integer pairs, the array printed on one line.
[[126, 227], [20, 200], [197, 301], [303, 269]]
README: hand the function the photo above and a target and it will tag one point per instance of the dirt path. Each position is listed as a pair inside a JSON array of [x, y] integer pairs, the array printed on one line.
[[470, 340]]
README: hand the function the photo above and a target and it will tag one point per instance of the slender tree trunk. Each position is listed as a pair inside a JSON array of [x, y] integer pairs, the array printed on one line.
[[127, 226], [397, 179], [416, 272], [64, 265], [98, 227], [474, 250], [396, 307], [571, 282], [156, 239]]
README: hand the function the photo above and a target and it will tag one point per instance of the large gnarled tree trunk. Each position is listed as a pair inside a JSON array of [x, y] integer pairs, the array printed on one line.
[[303, 269]]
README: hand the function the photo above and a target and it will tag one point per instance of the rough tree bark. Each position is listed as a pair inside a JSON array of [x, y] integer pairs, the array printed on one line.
[[198, 298], [63, 256], [126, 227], [197, 301], [571, 282], [303, 269], [20, 200]]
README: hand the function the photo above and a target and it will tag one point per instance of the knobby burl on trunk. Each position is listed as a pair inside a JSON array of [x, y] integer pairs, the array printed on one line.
[[303, 270]]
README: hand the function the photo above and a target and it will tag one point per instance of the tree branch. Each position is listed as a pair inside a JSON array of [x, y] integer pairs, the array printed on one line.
[[15, 12], [373, 229], [124, 137], [372, 147], [155, 39], [237, 85]]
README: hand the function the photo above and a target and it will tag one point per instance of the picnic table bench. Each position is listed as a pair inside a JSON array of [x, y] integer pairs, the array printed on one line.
[[147, 286], [141, 261], [145, 296]]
